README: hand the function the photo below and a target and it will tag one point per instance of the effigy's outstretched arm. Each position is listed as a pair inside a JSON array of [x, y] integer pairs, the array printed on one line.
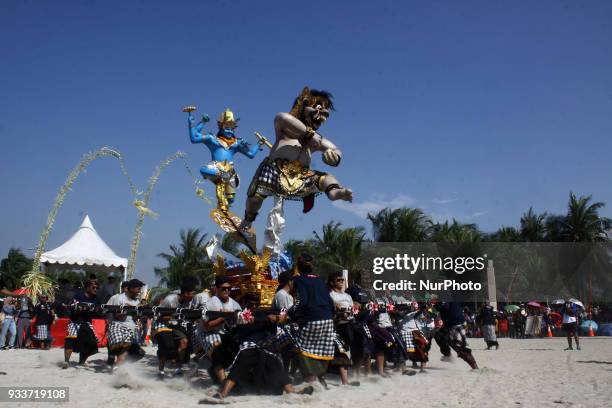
[[195, 132], [290, 126], [248, 150], [331, 154]]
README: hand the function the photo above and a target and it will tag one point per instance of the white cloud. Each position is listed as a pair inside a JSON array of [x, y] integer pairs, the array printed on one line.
[[447, 200], [443, 200], [375, 203], [449, 216]]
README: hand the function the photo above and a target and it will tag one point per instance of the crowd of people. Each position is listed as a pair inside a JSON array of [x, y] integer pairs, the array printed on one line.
[[25, 323], [531, 322], [314, 326]]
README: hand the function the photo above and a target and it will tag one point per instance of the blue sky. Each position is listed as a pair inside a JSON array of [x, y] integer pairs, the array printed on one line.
[[475, 110]]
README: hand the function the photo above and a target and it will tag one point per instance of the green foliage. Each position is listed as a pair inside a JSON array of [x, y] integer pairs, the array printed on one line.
[[505, 234], [533, 226], [14, 267], [401, 225], [455, 232], [187, 259], [339, 248], [581, 223]]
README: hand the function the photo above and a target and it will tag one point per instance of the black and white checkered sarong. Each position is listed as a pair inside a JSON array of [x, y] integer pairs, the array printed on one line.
[[42, 332], [316, 339], [367, 332], [408, 340], [73, 329], [457, 337], [209, 341], [120, 334], [285, 336]]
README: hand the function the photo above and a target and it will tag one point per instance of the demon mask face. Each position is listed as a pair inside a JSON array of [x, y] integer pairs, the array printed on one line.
[[312, 107]]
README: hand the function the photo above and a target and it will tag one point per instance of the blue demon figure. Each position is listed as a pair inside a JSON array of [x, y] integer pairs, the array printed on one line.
[[223, 146]]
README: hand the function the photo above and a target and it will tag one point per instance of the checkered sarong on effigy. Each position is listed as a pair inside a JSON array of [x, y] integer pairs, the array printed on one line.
[[316, 339], [119, 334], [287, 179]]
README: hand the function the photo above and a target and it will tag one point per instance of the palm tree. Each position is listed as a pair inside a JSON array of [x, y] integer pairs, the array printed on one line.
[[412, 225], [583, 223], [339, 248], [456, 232], [13, 267], [384, 225], [555, 228], [296, 247], [533, 227], [401, 225], [505, 234], [187, 259], [230, 245]]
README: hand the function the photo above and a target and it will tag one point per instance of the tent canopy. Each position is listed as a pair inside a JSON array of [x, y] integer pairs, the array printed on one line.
[[85, 247]]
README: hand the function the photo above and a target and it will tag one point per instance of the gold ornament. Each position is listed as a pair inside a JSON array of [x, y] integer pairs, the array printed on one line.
[[293, 175], [226, 120]]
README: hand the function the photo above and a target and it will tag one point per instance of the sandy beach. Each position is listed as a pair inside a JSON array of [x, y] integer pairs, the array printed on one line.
[[525, 373]]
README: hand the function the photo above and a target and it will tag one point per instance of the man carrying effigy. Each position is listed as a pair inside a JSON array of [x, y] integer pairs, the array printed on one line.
[[218, 346], [314, 311], [172, 333], [452, 334], [257, 368], [345, 327], [414, 340], [81, 337], [121, 331]]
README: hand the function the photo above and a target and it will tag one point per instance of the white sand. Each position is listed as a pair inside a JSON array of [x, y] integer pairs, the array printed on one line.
[[525, 373]]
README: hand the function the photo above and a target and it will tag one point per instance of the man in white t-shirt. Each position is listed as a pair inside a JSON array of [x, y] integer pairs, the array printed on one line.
[[343, 303], [121, 332], [218, 351], [282, 298]]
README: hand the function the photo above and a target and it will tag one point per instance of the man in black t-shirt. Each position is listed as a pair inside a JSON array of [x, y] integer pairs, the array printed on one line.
[[313, 310], [81, 337]]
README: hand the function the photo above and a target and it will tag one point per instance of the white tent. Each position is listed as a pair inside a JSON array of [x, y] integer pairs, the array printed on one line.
[[85, 247]]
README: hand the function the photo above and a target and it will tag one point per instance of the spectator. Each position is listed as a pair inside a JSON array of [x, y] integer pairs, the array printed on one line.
[[503, 325], [44, 318], [8, 326], [511, 325], [26, 310], [570, 324], [487, 320]]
